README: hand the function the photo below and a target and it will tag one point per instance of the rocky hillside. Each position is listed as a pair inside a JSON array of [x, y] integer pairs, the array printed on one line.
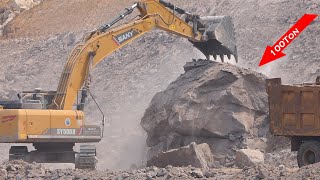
[[9, 9], [258, 24], [37, 42]]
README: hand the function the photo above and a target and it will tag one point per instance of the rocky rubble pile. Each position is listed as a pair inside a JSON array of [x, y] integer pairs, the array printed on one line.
[[214, 103], [264, 172], [21, 170]]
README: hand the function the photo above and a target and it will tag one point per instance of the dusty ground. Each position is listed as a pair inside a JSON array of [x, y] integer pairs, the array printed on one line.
[[38, 41], [23, 170]]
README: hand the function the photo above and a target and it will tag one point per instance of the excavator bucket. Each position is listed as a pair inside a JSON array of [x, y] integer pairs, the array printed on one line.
[[218, 37]]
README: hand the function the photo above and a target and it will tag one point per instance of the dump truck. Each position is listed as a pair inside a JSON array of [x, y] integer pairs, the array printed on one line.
[[54, 121], [295, 113]]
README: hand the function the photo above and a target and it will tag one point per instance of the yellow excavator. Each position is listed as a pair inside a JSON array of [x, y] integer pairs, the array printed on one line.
[[53, 121]]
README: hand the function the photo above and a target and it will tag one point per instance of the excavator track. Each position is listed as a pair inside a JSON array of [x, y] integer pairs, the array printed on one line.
[[86, 158], [18, 153]]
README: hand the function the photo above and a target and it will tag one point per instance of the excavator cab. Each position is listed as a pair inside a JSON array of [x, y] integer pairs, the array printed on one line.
[[36, 99]]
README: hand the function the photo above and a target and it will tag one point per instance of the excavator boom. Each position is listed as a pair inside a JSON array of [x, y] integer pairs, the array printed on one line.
[[212, 35]]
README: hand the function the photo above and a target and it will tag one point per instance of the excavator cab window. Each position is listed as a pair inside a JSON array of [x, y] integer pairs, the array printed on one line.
[[16, 104], [36, 99]]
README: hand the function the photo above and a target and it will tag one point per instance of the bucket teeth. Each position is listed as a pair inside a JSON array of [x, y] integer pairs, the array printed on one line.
[[222, 57], [214, 56], [220, 37], [229, 56]]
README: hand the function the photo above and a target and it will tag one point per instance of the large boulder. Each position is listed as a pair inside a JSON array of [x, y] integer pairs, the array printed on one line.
[[199, 156], [211, 102], [248, 158]]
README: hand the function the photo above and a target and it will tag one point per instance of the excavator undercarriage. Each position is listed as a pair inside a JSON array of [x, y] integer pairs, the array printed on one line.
[[51, 144], [56, 153]]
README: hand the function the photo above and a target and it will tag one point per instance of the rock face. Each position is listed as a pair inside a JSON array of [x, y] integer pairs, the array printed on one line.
[[248, 158], [199, 156], [27, 4], [213, 102], [11, 8]]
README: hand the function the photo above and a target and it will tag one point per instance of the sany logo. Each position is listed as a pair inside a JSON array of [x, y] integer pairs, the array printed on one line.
[[67, 122], [123, 37]]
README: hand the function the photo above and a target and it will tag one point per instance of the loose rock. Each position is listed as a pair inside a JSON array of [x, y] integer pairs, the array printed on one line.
[[10, 168], [248, 158], [3, 174], [197, 173], [195, 155]]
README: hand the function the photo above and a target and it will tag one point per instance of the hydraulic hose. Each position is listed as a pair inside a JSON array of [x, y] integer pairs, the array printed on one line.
[[117, 19], [173, 7]]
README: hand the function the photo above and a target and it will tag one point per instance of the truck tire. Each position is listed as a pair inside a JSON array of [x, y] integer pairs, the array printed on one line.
[[308, 153]]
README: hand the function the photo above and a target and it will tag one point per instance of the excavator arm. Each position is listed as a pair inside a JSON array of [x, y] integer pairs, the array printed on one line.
[[211, 35]]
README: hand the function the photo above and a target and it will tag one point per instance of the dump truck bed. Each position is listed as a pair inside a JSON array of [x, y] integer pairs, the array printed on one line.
[[294, 109]]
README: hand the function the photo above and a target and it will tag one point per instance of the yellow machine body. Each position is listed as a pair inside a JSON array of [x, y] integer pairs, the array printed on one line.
[[28, 125]]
